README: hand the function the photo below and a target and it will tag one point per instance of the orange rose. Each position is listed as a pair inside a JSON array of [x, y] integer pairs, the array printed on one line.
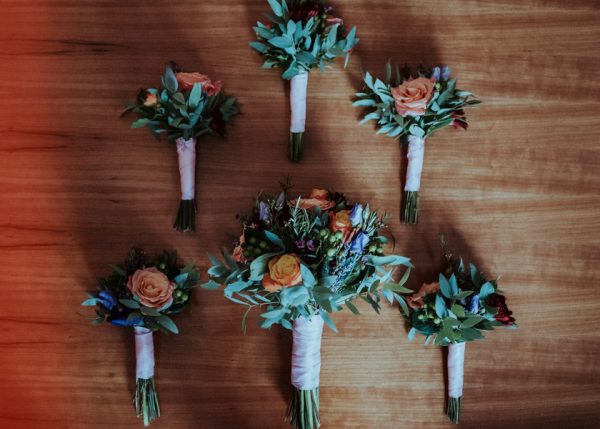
[[317, 198], [151, 100], [412, 96], [340, 221], [284, 271], [416, 299], [152, 287], [187, 80], [238, 252]]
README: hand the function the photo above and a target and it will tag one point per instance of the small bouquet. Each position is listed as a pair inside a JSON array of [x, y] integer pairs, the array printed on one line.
[[299, 260], [143, 293], [186, 106], [300, 37], [453, 311], [410, 109]]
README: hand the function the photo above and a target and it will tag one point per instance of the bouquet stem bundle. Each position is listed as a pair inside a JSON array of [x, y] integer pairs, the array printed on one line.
[[303, 409], [456, 363], [298, 86], [145, 399], [416, 151]]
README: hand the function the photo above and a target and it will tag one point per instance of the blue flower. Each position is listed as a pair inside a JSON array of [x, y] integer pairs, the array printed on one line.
[[122, 321], [356, 215], [435, 74], [360, 241], [473, 306], [107, 299], [446, 73]]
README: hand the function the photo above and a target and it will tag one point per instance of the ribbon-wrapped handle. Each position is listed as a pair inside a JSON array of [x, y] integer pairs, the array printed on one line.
[[416, 152], [144, 353], [306, 352], [456, 365], [298, 86], [186, 151]]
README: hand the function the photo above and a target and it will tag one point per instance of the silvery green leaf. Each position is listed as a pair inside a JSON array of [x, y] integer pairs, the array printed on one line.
[[281, 42], [453, 285], [458, 310], [263, 32], [147, 311], [369, 80], [259, 266], [411, 334], [277, 9], [370, 116], [170, 80], [352, 308], [210, 285], [307, 276], [260, 47], [142, 122], [294, 296], [234, 287], [332, 35], [167, 323], [486, 290], [364, 102], [130, 303], [195, 95], [445, 286], [291, 71], [90, 302], [388, 260], [328, 321], [274, 314], [351, 39], [440, 307]]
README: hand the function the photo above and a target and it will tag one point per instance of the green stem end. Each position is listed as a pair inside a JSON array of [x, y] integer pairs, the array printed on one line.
[[146, 400], [410, 214], [295, 146], [303, 409], [453, 410], [186, 216]]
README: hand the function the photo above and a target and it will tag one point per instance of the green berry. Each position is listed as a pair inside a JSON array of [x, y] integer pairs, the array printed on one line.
[[178, 293], [437, 321], [262, 244], [252, 240], [332, 239], [372, 248], [257, 251], [379, 251], [162, 266], [339, 235], [247, 253], [323, 233], [330, 253]]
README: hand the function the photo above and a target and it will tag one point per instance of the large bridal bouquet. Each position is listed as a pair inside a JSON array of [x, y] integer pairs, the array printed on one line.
[[453, 311], [143, 293], [185, 106], [299, 260], [299, 37], [411, 107]]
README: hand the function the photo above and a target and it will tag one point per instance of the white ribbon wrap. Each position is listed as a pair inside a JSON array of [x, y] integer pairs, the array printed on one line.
[[298, 102], [306, 352], [186, 150], [416, 150], [144, 353], [456, 369]]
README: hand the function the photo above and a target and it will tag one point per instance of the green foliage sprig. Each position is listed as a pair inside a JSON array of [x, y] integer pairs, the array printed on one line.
[[444, 108], [458, 310], [114, 303], [300, 37], [180, 112]]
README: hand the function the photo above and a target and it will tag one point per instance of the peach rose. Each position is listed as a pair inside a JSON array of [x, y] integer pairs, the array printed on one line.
[[284, 271], [412, 96], [317, 198], [151, 100], [416, 299], [152, 287], [187, 80], [340, 221]]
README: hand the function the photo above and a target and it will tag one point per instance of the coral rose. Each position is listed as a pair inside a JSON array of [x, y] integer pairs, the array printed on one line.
[[187, 80], [317, 198], [284, 271], [412, 96], [152, 287], [416, 299], [238, 252], [341, 221]]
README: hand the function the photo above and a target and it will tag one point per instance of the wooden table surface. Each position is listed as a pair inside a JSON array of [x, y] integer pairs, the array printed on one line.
[[519, 193]]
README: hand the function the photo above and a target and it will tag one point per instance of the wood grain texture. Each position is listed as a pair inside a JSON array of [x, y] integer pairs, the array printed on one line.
[[519, 193]]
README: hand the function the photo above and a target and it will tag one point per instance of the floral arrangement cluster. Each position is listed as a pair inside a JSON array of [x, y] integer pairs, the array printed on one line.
[[185, 107], [411, 107], [299, 37], [299, 260], [144, 293], [457, 309]]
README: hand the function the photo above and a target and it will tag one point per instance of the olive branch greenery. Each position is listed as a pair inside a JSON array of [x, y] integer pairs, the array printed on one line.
[[444, 108], [296, 46]]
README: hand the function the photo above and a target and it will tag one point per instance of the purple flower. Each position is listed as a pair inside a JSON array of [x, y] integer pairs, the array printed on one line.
[[359, 242], [107, 299], [300, 244], [446, 73], [435, 74], [356, 215], [264, 214], [473, 306], [310, 245]]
